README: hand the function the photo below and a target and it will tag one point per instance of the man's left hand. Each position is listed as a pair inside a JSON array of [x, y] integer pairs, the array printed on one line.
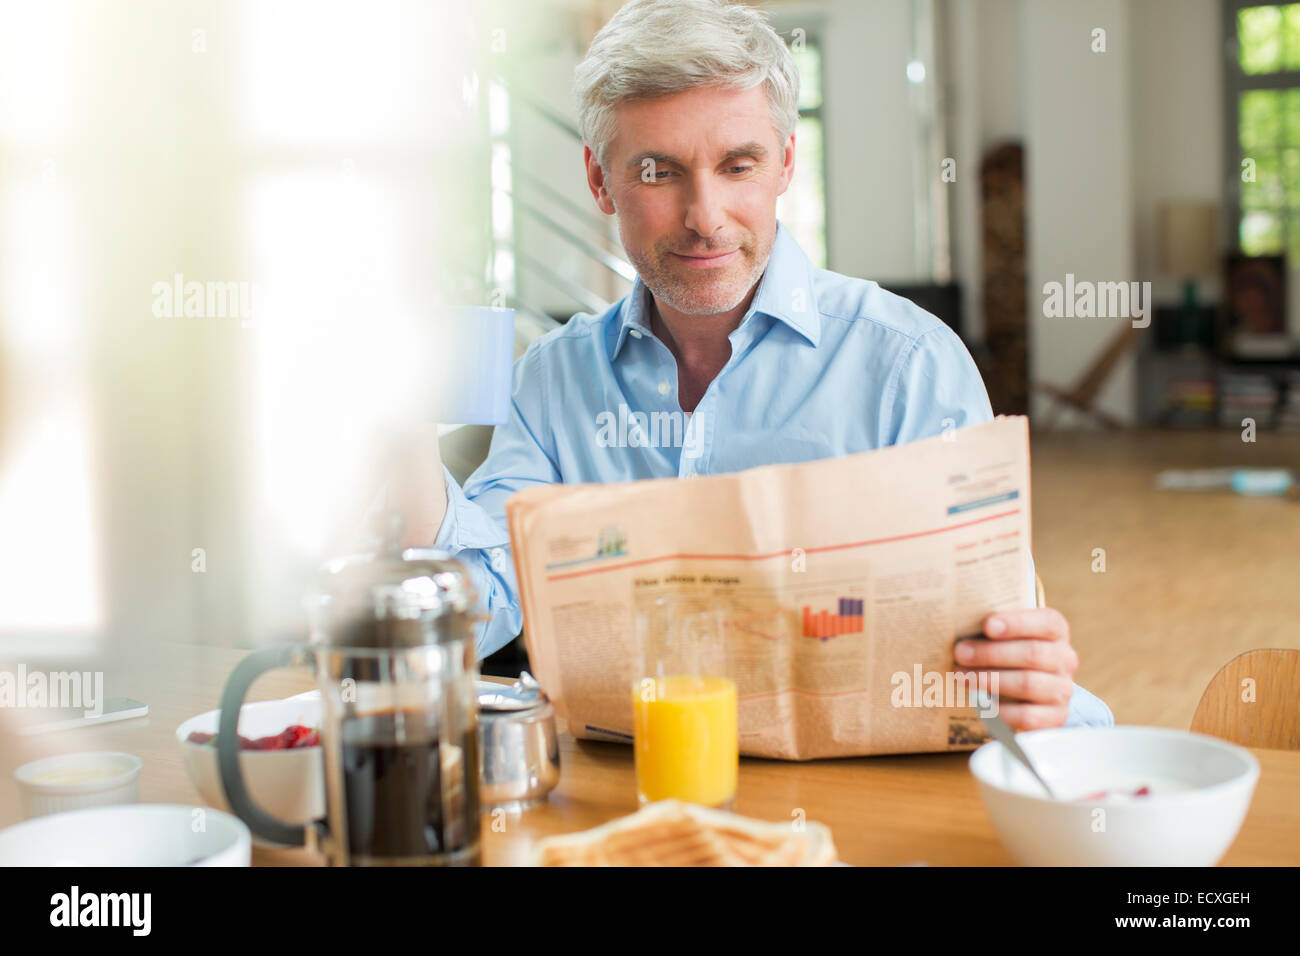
[[1030, 652]]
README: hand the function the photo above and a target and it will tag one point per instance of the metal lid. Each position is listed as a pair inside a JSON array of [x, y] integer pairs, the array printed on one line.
[[524, 694], [388, 599]]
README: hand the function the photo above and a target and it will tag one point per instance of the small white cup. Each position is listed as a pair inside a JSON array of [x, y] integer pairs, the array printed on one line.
[[78, 781]]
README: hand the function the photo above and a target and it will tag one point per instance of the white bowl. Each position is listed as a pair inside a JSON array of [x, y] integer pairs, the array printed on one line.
[[143, 834], [1201, 788], [50, 785], [287, 784]]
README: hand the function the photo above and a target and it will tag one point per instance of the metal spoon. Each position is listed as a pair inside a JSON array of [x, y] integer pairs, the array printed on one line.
[[1003, 733]]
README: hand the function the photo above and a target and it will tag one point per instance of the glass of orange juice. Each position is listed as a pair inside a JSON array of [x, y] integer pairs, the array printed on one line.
[[684, 705]]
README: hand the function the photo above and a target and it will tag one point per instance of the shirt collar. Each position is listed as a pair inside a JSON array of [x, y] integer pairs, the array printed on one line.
[[784, 292]]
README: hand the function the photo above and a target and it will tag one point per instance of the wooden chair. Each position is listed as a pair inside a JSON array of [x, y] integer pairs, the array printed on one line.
[[1272, 718], [1083, 394]]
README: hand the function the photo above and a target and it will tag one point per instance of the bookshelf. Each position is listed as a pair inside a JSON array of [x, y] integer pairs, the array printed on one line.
[[1190, 386]]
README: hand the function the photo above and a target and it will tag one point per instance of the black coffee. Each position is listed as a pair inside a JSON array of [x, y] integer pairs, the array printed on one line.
[[406, 797]]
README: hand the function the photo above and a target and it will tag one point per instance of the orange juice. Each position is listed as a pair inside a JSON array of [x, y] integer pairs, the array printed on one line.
[[686, 742]]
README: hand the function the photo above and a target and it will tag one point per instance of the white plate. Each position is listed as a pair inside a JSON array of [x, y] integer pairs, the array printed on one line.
[[142, 834]]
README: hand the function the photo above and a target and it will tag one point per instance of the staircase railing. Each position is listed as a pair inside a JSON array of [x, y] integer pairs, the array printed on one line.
[[529, 197]]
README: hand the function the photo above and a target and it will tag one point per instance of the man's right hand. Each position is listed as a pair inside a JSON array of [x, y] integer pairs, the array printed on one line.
[[406, 467], [416, 488]]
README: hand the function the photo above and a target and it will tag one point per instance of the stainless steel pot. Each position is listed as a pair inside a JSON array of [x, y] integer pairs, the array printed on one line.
[[518, 750]]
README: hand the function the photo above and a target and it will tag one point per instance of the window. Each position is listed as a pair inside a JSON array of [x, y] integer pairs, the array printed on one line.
[[50, 573], [803, 207], [1263, 103], [340, 206]]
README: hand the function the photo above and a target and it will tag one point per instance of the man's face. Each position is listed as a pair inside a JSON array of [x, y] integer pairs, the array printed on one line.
[[693, 178]]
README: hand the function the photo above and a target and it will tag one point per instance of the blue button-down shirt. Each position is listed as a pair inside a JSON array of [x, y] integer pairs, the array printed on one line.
[[821, 365]]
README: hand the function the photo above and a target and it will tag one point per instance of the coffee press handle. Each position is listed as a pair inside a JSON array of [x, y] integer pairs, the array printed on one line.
[[232, 777]]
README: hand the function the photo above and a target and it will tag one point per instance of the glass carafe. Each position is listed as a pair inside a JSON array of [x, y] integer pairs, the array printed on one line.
[[392, 647]]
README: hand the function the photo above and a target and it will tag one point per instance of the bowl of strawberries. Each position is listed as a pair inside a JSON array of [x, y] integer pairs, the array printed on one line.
[[279, 754]]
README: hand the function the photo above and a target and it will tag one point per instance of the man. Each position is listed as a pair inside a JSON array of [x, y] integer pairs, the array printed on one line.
[[688, 110]]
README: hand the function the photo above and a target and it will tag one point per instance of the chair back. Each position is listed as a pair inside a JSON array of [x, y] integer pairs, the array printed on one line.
[[1254, 700]]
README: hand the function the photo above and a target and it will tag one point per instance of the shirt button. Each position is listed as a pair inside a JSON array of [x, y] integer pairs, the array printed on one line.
[[495, 556], [691, 474], [634, 333], [663, 388]]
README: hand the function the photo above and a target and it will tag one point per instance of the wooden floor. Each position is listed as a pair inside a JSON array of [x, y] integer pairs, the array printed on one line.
[[1192, 579]]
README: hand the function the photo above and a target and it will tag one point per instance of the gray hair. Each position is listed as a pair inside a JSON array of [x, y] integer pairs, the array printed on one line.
[[653, 48]]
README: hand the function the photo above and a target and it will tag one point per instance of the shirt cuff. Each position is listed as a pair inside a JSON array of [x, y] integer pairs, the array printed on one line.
[[1088, 710], [466, 525], [474, 538]]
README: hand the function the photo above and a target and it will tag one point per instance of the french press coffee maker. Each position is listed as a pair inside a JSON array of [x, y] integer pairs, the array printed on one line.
[[392, 647]]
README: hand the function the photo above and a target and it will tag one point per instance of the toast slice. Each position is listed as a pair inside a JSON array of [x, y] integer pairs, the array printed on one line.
[[672, 833]]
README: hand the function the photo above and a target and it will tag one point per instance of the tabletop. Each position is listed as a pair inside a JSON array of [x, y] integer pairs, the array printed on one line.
[[882, 811]]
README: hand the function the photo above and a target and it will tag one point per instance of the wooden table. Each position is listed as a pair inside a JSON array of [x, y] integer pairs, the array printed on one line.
[[882, 811]]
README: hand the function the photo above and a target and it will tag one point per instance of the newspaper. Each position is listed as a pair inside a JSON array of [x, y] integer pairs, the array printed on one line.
[[845, 583]]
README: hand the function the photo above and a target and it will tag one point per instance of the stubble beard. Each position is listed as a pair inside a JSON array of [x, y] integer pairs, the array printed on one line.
[[702, 292]]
